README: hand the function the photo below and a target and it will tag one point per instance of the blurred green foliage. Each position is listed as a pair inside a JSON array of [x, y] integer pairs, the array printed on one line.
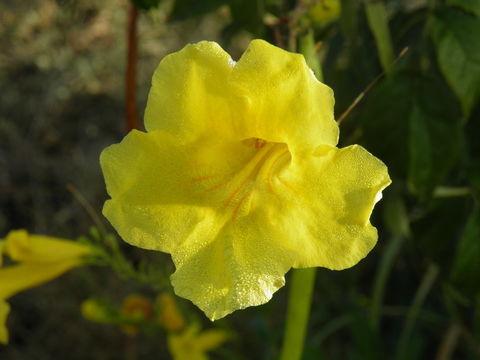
[[416, 296]]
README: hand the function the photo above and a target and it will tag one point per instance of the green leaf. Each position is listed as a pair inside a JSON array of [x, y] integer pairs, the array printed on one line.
[[383, 123], [437, 230], [472, 6], [435, 137], [395, 214], [248, 15], [456, 36], [184, 9], [146, 4], [378, 21], [411, 123], [466, 266], [307, 48]]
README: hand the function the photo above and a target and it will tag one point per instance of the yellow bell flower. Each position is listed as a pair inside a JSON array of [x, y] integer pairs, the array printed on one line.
[[192, 344], [239, 178], [4, 311], [41, 259], [24, 247]]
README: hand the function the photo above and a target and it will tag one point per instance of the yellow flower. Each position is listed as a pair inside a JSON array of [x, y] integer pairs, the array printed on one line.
[[24, 247], [169, 316], [41, 259], [192, 345], [239, 177], [4, 311]]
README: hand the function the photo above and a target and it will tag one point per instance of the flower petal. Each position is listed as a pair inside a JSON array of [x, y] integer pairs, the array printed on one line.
[[323, 203], [280, 100], [4, 311], [16, 278], [21, 246], [162, 189], [242, 265], [188, 97], [185, 200], [211, 339]]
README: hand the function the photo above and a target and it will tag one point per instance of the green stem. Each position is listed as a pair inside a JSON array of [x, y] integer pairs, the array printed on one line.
[[308, 48], [378, 22], [393, 247], [447, 191], [299, 300], [424, 288]]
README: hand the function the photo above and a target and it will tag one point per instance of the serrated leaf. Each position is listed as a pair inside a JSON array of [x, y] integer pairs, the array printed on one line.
[[456, 36], [466, 266], [472, 6]]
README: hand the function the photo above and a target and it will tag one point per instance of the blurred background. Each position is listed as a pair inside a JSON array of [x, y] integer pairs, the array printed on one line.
[[63, 67]]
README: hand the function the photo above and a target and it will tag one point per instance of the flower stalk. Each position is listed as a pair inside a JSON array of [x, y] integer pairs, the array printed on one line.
[[299, 302]]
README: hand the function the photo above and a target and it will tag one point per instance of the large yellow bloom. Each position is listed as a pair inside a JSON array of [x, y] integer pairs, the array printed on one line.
[[238, 176]]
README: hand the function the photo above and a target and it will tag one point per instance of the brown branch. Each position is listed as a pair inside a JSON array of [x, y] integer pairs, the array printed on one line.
[[131, 73]]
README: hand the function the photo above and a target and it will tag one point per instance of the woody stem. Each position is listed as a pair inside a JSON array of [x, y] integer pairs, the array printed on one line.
[[131, 74]]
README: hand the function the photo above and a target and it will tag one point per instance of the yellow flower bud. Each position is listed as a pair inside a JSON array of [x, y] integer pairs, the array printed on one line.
[[169, 316], [137, 308], [93, 310]]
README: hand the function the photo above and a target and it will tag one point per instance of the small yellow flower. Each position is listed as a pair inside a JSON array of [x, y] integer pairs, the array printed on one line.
[[192, 344], [24, 247], [4, 311], [40, 259], [169, 316], [239, 178]]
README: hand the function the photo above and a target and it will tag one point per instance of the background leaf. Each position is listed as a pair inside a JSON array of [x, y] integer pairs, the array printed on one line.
[[466, 267], [184, 9], [472, 6], [457, 35]]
